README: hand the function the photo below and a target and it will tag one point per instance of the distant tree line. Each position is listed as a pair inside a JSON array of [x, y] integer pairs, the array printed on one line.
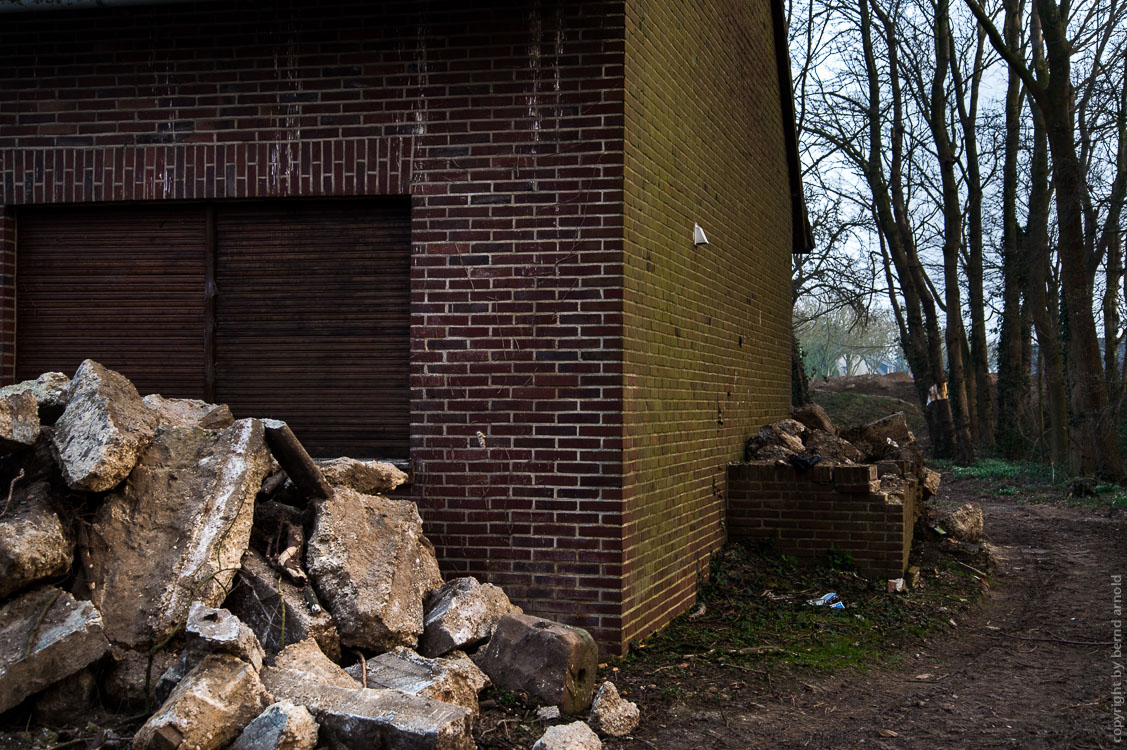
[[965, 163]]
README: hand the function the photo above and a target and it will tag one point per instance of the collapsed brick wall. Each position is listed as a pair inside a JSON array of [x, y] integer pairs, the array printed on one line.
[[503, 122], [806, 514], [707, 329]]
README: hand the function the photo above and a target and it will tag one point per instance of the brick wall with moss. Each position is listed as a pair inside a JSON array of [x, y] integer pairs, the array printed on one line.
[[706, 329]]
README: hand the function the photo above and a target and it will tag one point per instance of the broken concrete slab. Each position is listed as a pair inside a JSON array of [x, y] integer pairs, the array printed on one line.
[[208, 709], [307, 658], [35, 544], [46, 635], [178, 529], [611, 714], [964, 523], [50, 390], [190, 412], [814, 417], [366, 717], [19, 421], [124, 680], [462, 614], [261, 598], [282, 726], [455, 680], [212, 629], [103, 430], [556, 663], [574, 736], [372, 567], [367, 477]]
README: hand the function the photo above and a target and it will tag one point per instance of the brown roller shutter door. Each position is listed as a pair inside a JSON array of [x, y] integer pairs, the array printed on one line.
[[308, 319], [123, 286]]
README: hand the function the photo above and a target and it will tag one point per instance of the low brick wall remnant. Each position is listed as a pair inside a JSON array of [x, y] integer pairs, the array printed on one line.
[[866, 510]]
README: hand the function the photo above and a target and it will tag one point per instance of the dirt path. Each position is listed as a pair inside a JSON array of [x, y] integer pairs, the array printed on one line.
[[1001, 678]]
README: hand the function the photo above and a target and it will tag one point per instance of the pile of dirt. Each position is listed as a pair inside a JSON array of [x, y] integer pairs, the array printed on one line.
[[158, 551], [809, 438]]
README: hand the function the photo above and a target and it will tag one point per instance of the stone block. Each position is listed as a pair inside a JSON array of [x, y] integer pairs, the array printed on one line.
[[208, 709], [372, 567], [177, 530], [103, 429], [555, 663], [46, 635], [462, 614], [454, 680]]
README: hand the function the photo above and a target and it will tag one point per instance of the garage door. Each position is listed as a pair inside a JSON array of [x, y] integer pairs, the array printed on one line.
[[306, 320]]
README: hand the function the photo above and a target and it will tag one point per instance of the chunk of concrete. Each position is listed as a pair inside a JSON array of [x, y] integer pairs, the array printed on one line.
[[103, 430], [50, 391], [46, 635], [211, 629], [454, 680], [125, 679], [780, 434], [282, 726], [178, 529], [366, 717], [611, 714], [367, 477], [19, 421], [814, 417], [964, 523], [208, 709], [190, 412], [261, 597], [462, 614], [372, 567], [34, 542], [555, 663], [574, 736], [308, 659], [882, 433], [67, 700], [929, 482]]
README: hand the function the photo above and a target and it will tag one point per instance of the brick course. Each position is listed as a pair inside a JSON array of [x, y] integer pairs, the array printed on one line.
[[806, 514]]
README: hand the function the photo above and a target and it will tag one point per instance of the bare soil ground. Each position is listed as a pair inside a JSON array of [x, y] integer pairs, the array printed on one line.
[[1003, 676], [1027, 665]]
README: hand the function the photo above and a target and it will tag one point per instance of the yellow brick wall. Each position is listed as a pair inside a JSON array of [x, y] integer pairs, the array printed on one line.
[[707, 329]]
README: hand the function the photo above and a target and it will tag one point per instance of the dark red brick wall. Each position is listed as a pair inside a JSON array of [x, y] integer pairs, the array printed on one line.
[[502, 120], [8, 294], [806, 514]]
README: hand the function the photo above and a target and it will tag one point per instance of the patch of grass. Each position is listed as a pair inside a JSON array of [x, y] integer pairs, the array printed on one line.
[[1000, 469], [853, 409], [756, 616]]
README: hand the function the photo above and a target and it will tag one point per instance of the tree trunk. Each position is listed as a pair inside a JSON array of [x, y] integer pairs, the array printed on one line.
[[1092, 444], [952, 237], [1013, 385]]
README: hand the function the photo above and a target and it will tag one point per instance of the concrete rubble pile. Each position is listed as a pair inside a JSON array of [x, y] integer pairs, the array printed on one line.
[[809, 438], [159, 555]]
